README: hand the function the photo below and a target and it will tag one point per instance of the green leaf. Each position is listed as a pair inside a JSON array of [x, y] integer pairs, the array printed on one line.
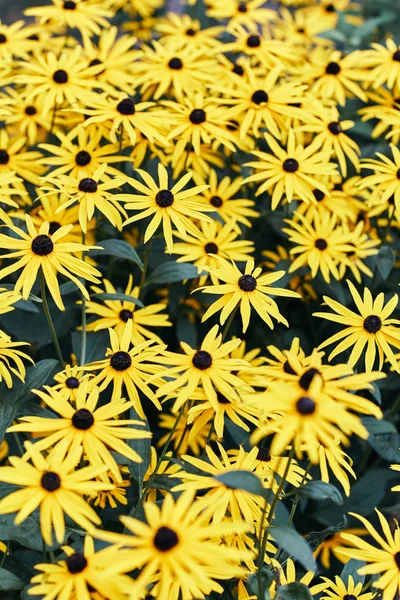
[[315, 538], [294, 544], [143, 448], [9, 581], [267, 578], [118, 296], [119, 249], [351, 568], [320, 490], [383, 438], [385, 261], [27, 533], [242, 480], [96, 344], [293, 591], [68, 288], [171, 272]]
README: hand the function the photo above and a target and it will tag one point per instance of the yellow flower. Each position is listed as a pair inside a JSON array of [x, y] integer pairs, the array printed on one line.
[[69, 381], [385, 178], [292, 171], [371, 328], [384, 64], [183, 439], [47, 253], [247, 290], [14, 159], [88, 17], [53, 485], [250, 13], [166, 206], [333, 544], [9, 353]]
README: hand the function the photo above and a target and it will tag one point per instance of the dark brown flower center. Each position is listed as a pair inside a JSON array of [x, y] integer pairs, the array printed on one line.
[[238, 69], [76, 563], [332, 68], [335, 128], [82, 419], [211, 248], [396, 56], [247, 283], [242, 8], [349, 596], [69, 5], [4, 157], [290, 165], [88, 185], [175, 64], [330, 8], [321, 244], [288, 369], [398, 173], [164, 198], [307, 377], [50, 481], [42, 245], [338, 187], [216, 201], [125, 315], [30, 111], [202, 360], [372, 323], [264, 455], [223, 399], [165, 539], [253, 41], [72, 383], [60, 76], [83, 158], [197, 116], [305, 405], [120, 361], [3, 38], [397, 559], [126, 107], [318, 195], [259, 97], [190, 32]]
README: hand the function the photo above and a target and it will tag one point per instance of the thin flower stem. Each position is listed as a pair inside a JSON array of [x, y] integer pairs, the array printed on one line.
[[145, 267], [160, 460], [264, 535], [44, 551], [388, 228], [84, 332], [49, 319], [297, 497], [5, 554], [229, 322], [53, 118], [17, 440]]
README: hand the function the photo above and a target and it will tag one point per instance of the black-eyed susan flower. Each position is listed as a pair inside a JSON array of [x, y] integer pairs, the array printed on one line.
[[293, 171], [78, 574], [383, 64], [221, 500], [87, 17], [93, 429], [363, 246], [382, 560], [17, 40], [15, 160], [212, 239], [220, 195], [370, 329], [333, 458], [39, 251], [10, 354], [115, 313], [209, 367], [58, 79], [269, 52], [69, 381], [117, 495], [26, 117], [181, 31], [129, 367], [90, 193], [247, 290], [168, 206], [322, 244], [53, 485], [182, 439], [8, 183], [338, 589], [174, 536], [386, 177], [121, 113], [271, 467], [331, 546], [288, 575], [249, 13]]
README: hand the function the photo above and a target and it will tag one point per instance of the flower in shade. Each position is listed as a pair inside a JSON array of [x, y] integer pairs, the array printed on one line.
[[177, 549], [209, 367], [295, 171], [169, 206], [34, 251], [370, 329], [129, 367], [53, 485], [92, 428], [383, 560], [247, 290]]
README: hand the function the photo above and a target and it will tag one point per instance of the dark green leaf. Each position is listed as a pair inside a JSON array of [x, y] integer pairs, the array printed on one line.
[[172, 272], [9, 581], [186, 331], [315, 538], [68, 288], [143, 448], [118, 296], [383, 438], [27, 533], [294, 544], [267, 578], [385, 261], [351, 568], [293, 591], [119, 249], [96, 344], [320, 490], [242, 480]]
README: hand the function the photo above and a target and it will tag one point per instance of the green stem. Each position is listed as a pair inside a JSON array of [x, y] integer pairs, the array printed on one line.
[[84, 336], [44, 551], [264, 536], [229, 322], [297, 498], [17, 440], [5, 554], [390, 221], [145, 267], [49, 319], [160, 460]]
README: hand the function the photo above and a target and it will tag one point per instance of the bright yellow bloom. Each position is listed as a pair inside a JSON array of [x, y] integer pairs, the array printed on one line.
[[88, 17]]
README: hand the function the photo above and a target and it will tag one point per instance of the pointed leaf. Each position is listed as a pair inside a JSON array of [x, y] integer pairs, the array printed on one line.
[[294, 544]]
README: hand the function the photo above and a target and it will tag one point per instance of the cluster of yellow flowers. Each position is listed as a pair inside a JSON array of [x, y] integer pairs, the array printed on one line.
[[232, 144]]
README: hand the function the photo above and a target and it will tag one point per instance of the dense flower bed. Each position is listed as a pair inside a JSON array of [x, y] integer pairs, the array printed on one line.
[[200, 333]]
